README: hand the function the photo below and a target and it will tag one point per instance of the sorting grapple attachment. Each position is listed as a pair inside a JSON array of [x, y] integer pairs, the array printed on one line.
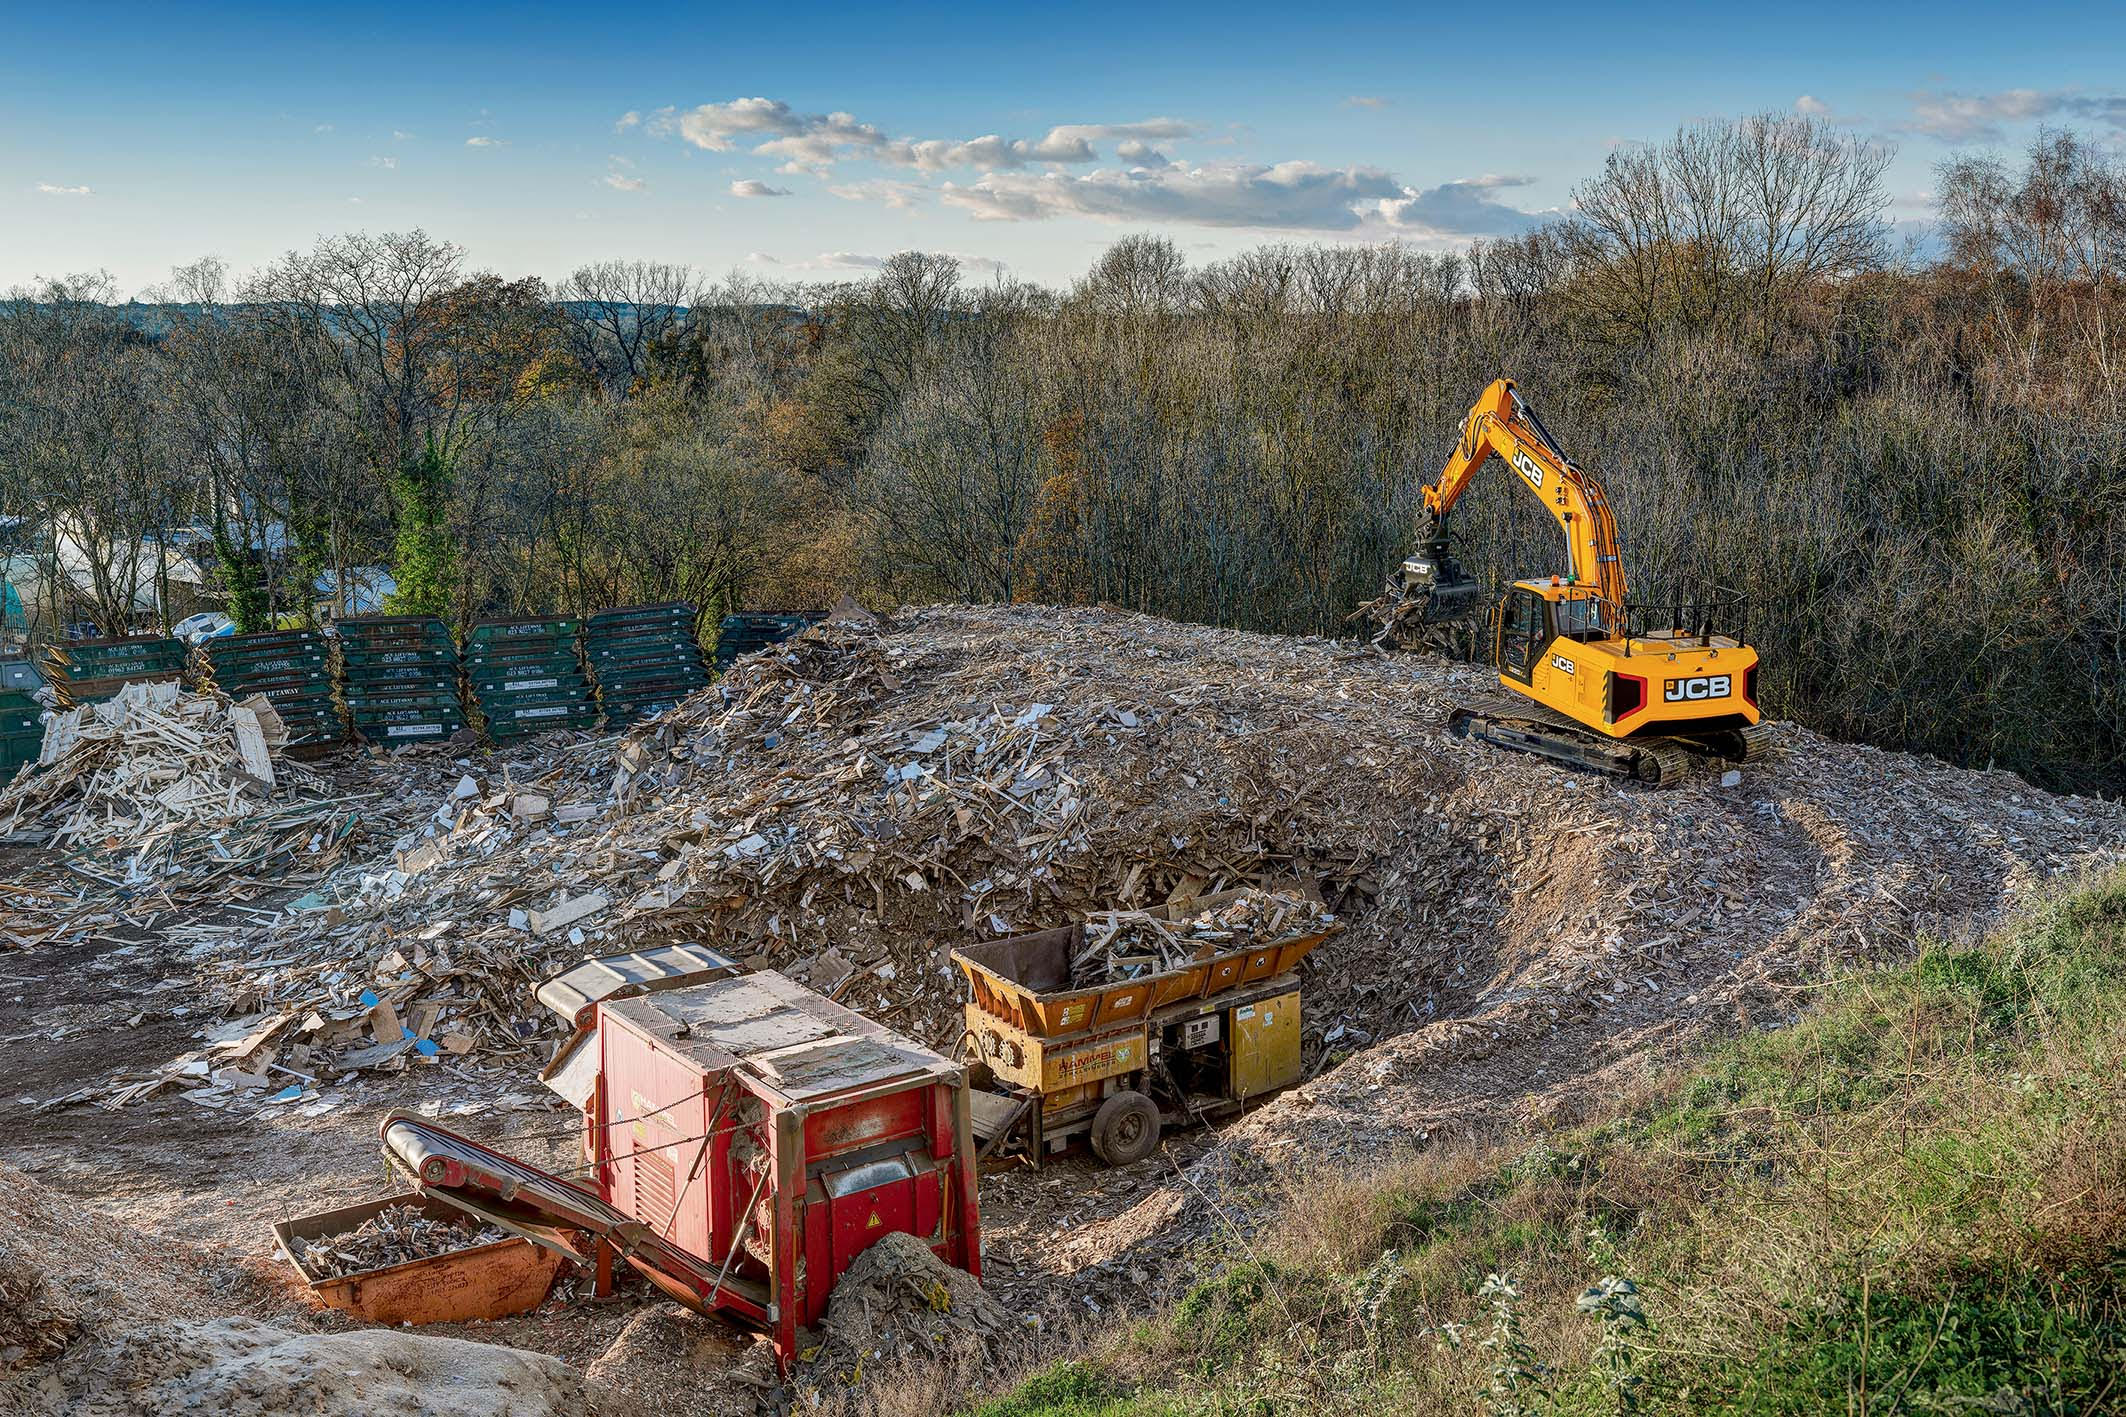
[[1429, 589], [1435, 581]]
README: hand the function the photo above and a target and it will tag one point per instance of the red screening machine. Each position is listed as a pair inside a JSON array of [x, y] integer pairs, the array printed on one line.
[[745, 1140]]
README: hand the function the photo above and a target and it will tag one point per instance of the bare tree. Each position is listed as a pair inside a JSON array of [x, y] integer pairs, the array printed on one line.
[[86, 440], [953, 474], [1729, 216], [2050, 246], [616, 312]]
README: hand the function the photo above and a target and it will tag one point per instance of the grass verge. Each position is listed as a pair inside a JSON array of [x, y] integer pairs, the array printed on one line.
[[1912, 1200]]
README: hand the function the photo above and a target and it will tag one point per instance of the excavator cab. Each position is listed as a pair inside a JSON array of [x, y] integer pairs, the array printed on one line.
[[1534, 614]]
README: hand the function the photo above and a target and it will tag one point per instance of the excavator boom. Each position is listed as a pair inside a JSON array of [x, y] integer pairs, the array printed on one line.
[[1501, 424]]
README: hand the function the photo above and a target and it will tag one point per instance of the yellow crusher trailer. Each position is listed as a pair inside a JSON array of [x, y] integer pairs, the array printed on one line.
[[1639, 691]]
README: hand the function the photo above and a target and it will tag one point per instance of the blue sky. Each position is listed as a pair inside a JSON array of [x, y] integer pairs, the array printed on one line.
[[809, 141]]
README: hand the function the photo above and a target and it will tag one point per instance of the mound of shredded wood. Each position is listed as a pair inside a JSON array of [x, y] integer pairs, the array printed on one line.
[[854, 803], [99, 1318], [900, 1304], [397, 1234]]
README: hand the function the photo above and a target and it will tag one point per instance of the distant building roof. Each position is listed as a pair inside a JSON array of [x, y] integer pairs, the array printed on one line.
[[368, 588]]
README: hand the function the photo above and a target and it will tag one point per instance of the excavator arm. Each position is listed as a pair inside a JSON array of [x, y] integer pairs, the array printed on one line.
[[1500, 423]]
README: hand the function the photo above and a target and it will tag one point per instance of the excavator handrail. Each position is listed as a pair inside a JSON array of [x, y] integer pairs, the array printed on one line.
[[1718, 614]]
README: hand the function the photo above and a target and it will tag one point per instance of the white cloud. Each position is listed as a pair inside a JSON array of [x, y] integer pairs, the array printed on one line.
[[1365, 100], [400, 135], [621, 182], [1981, 118], [1025, 179], [354, 201], [486, 142], [52, 189], [1289, 195], [387, 163], [899, 195], [1151, 130], [323, 128], [1463, 208], [824, 261], [813, 142], [1141, 153], [718, 126], [627, 120]]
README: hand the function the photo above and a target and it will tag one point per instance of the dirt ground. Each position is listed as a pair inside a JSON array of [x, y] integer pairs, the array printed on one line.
[[72, 1014], [1517, 936]]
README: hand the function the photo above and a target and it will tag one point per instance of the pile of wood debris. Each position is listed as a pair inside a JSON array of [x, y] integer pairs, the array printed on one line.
[[1133, 944], [148, 778], [848, 805], [157, 798], [154, 804], [852, 804], [397, 1234]]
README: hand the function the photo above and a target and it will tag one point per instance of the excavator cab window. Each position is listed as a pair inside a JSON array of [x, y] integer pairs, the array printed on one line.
[[1524, 632], [1581, 619]]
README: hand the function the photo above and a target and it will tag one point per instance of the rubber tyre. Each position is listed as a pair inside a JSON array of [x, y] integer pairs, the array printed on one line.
[[1125, 1129]]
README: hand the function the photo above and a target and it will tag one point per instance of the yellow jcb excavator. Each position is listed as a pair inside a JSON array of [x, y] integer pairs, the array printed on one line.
[[1634, 691]]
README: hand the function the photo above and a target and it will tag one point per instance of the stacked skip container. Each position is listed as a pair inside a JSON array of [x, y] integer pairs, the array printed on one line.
[[526, 676], [21, 731], [399, 679], [746, 632], [89, 671], [292, 669], [645, 659]]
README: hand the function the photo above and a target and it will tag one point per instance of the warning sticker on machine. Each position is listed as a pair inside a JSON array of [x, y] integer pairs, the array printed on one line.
[[514, 685]]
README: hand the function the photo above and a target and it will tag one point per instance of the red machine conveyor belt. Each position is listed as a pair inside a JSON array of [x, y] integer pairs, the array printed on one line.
[[544, 1208]]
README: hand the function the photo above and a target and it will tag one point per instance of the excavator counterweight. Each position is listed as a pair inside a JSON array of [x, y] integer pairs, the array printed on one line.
[[1593, 680]]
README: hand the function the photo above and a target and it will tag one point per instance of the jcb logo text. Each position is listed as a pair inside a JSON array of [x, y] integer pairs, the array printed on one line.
[[1704, 686]]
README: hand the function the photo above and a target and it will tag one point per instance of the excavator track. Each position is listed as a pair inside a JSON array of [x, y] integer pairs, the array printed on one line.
[[1737, 745], [1657, 762], [1756, 743]]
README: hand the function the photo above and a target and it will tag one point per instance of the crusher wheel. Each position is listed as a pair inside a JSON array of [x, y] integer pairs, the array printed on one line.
[[1126, 1128]]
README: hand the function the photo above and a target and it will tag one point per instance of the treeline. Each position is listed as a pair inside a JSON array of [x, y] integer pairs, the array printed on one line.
[[1916, 468]]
